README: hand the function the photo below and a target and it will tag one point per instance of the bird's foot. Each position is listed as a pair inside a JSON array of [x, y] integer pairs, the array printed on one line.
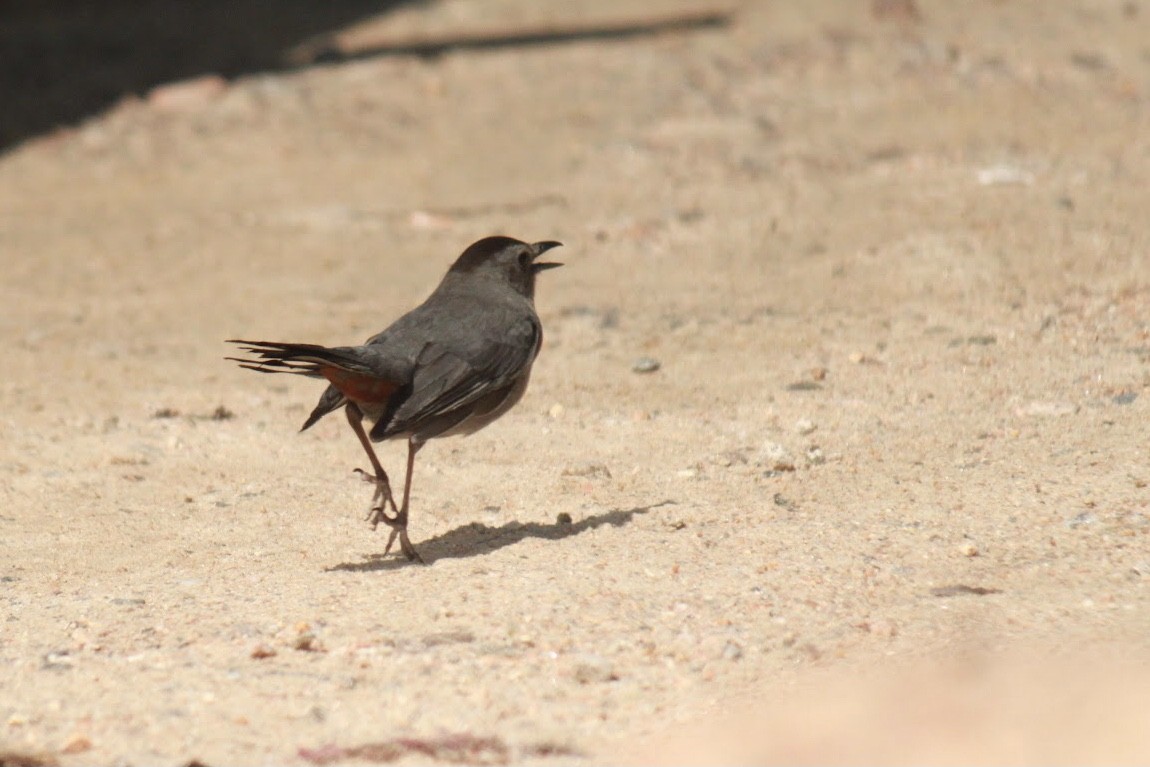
[[397, 520], [398, 525], [378, 513], [404, 543], [380, 500]]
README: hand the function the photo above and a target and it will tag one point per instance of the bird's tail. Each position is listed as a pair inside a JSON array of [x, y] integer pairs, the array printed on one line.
[[301, 359]]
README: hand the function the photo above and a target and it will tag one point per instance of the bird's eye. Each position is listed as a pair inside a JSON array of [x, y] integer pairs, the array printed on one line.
[[525, 260]]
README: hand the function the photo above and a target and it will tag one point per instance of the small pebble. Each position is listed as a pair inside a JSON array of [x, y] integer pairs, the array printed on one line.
[[775, 457], [729, 458], [732, 651], [58, 660], [805, 426], [645, 365], [77, 744], [556, 411], [968, 550], [306, 642], [1082, 519], [815, 456], [1004, 175], [594, 669], [594, 470], [261, 651], [563, 519], [221, 413], [783, 502]]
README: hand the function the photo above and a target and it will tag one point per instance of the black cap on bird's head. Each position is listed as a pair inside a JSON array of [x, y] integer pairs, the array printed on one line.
[[506, 258]]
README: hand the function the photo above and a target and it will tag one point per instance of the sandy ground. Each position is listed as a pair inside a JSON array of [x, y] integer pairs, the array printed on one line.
[[894, 268]]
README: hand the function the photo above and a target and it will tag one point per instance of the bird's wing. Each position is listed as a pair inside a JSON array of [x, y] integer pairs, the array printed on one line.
[[450, 376]]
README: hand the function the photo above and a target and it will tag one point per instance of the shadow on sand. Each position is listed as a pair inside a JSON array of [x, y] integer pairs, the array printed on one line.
[[62, 61], [476, 539]]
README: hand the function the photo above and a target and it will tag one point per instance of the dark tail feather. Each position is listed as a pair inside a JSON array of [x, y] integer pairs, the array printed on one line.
[[301, 359], [331, 399]]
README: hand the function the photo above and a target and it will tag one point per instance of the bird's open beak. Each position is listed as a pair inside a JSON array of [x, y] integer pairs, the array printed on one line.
[[541, 248]]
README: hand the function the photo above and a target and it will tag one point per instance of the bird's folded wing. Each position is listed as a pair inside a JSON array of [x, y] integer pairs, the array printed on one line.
[[449, 378]]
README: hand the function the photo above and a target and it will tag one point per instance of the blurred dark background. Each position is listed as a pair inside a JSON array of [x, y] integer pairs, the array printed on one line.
[[63, 60]]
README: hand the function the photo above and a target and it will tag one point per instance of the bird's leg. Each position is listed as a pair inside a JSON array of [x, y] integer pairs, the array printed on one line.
[[398, 524], [378, 511]]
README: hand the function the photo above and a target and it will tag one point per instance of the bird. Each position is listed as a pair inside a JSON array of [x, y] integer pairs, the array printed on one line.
[[450, 366]]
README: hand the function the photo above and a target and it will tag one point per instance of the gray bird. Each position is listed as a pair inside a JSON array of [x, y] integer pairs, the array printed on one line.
[[450, 366]]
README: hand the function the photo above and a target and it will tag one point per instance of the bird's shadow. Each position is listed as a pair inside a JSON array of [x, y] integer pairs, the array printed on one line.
[[477, 539]]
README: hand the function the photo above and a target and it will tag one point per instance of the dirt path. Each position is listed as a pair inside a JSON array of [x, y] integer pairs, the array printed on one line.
[[895, 274]]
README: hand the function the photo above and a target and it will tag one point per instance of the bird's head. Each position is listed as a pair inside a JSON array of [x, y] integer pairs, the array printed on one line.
[[509, 260]]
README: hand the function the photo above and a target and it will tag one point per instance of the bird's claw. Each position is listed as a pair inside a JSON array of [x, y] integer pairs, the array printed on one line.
[[404, 544], [376, 513], [398, 525], [397, 520]]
